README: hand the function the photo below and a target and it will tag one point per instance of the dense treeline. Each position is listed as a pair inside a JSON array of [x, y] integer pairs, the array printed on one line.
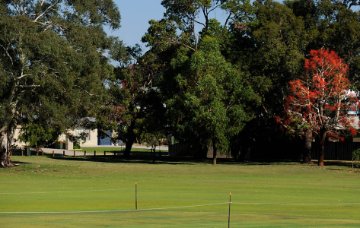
[[214, 85], [220, 84]]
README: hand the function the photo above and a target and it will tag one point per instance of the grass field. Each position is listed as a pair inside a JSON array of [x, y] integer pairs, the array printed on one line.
[[73, 193]]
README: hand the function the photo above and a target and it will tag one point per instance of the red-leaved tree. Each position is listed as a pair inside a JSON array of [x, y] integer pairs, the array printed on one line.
[[319, 104]]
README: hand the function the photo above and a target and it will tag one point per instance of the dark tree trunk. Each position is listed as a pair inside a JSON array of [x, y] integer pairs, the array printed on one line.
[[308, 144], [130, 139], [321, 155], [128, 146], [323, 134]]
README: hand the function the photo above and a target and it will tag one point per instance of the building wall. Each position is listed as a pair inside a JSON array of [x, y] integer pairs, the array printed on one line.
[[16, 140], [91, 139]]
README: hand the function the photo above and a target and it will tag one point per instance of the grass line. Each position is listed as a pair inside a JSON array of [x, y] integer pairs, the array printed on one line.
[[299, 204], [63, 191], [107, 211]]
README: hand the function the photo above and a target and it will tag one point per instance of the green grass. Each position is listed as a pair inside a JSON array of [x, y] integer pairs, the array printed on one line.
[[279, 195]]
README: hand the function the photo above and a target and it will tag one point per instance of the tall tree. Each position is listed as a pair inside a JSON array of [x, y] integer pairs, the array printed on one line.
[[53, 63], [219, 98], [319, 102], [135, 108], [269, 43], [206, 98]]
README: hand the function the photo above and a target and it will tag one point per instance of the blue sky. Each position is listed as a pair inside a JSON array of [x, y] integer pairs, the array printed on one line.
[[135, 15]]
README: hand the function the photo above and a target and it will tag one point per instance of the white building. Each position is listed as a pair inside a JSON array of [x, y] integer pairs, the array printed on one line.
[[92, 139]]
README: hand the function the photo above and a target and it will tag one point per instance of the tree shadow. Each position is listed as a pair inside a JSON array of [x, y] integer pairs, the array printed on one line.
[[131, 159], [168, 160]]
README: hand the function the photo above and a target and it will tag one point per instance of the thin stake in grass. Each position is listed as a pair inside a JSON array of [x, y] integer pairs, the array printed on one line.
[[229, 213], [136, 197]]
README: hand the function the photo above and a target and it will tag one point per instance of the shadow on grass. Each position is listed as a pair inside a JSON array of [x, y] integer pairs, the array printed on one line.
[[164, 159], [167, 160], [131, 159], [20, 162]]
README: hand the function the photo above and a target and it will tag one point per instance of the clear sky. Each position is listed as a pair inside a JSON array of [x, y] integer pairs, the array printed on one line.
[[135, 15]]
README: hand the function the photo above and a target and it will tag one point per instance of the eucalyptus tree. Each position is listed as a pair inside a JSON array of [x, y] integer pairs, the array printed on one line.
[[53, 63]]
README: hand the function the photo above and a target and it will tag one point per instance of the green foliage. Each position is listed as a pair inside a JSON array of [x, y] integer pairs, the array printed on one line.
[[356, 156], [36, 135], [53, 64]]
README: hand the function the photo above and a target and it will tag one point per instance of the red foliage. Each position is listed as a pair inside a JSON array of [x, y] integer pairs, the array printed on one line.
[[353, 131], [321, 99]]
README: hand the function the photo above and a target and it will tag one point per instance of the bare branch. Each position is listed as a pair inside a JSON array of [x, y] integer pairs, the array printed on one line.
[[214, 8], [200, 23], [28, 86], [8, 54], [22, 76], [46, 10], [228, 18]]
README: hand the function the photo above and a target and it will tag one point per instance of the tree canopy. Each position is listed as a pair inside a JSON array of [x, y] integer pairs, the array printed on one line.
[[322, 99], [53, 63]]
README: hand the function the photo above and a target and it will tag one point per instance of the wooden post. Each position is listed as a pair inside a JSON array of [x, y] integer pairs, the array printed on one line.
[[229, 214], [84, 153], [74, 153], [63, 153], [104, 153], [53, 153], [136, 197]]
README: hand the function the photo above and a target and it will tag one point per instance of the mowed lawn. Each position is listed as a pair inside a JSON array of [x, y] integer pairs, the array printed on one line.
[[45, 192]]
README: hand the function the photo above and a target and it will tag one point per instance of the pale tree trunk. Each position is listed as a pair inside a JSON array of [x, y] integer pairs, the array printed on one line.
[[214, 152], [5, 153]]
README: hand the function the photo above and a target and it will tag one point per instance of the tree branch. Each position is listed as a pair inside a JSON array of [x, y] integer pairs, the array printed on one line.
[[46, 10], [28, 86], [22, 76], [8, 54], [228, 18]]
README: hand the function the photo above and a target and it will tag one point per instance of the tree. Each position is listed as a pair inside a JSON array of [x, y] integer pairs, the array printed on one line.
[[319, 102], [207, 100], [334, 25], [268, 42], [53, 63], [134, 108], [219, 98]]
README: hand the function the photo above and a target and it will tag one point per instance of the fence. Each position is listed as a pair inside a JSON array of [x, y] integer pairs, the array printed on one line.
[[337, 150]]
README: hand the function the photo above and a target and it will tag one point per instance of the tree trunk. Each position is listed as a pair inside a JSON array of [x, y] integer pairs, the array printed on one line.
[[321, 156], [214, 152], [130, 139], [308, 144], [129, 142], [128, 146], [322, 148], [5, 158]]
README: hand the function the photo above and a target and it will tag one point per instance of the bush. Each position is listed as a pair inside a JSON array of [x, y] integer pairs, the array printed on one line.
[[356, 156]]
